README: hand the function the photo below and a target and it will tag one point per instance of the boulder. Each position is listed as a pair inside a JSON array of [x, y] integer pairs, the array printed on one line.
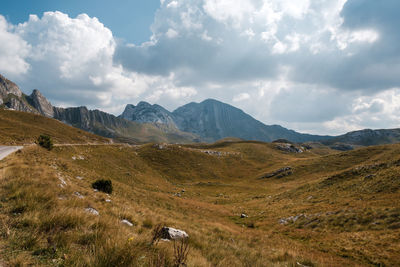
[[173, 234], [92, 211]]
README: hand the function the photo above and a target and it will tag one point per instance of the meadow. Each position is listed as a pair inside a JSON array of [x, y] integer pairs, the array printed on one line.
[[338, 209]]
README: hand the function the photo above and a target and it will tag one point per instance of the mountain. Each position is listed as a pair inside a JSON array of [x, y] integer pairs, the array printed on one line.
[[146, 113], [207, 121], [108, 125], [94, 121], [367, 137], [213, 120]]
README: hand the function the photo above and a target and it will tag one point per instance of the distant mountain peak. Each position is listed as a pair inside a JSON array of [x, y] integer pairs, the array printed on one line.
[[38, 101], [147, 113]]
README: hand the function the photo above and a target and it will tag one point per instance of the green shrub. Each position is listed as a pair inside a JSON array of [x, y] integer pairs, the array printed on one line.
[[45, 141], [103, 186]]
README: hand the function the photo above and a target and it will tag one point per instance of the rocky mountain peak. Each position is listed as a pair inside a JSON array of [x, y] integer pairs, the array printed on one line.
[[8, 87], [145, 113], [40, 102]]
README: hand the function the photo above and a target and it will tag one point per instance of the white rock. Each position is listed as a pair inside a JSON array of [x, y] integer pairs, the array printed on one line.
[[92, 211], [108, 200], [173, 234], [124, 221], [78, 195]]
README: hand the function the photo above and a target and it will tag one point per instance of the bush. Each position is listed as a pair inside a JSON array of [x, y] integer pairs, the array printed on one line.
[[103, 186], [45, 141]]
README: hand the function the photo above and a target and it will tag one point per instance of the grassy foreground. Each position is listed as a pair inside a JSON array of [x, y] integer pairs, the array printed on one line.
[[340, 209]]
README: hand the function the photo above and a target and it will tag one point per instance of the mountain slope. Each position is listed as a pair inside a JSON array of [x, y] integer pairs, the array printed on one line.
[[367, 137], [18, 128], [214, 120]]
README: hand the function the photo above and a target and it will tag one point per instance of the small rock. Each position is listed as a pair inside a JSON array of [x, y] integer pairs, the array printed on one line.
[[124, 221], [63, 182], [78, 195], [310, 197], [173, 234], [243, 215], [92, 211], [79, 177], [108, 200]]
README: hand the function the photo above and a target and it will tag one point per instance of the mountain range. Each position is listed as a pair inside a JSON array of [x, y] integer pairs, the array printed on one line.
[[208, 121]]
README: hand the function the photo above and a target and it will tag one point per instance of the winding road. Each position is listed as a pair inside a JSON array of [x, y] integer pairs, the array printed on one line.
[[7, 150]]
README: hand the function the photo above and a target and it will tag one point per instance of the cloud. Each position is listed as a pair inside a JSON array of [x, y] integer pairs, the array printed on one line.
[[71, 61], [319, 66], [13, 51], [241, 97]]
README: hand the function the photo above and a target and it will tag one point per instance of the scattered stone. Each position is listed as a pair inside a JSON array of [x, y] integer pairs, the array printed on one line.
[[160, 146], [92, 211], [95, 190], [243, 215], [63, 183], [79, 177], [173, 234], [310, 197], [124, 221], [285, 171], [79, 195], [108, 200], [287, 147]]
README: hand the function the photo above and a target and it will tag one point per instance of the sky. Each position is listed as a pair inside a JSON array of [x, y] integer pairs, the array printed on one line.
[[315, 66]]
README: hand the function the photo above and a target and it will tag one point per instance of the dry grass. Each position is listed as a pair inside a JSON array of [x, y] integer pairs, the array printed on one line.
[[24, 128], [349, 219]]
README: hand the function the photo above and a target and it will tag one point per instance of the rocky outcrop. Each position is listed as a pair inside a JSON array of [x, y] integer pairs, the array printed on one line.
[[146, 113], [290, 148], [94, 121], [8, 87], [173, 234], [42, 105], [11, 97], [280, 173], [19, 104]]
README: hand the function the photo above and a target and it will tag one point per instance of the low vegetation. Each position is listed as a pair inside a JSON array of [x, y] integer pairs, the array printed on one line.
[[45, 141], [338, 209], [103, 186]]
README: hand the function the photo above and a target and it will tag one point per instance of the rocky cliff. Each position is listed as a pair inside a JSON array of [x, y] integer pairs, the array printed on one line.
[[146, 113]]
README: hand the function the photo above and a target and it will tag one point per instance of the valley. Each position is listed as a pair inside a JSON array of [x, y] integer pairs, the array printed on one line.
[[330, 208]]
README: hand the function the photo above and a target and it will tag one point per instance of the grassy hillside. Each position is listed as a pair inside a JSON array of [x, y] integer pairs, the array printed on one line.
[[340, 209], [24, 128]]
